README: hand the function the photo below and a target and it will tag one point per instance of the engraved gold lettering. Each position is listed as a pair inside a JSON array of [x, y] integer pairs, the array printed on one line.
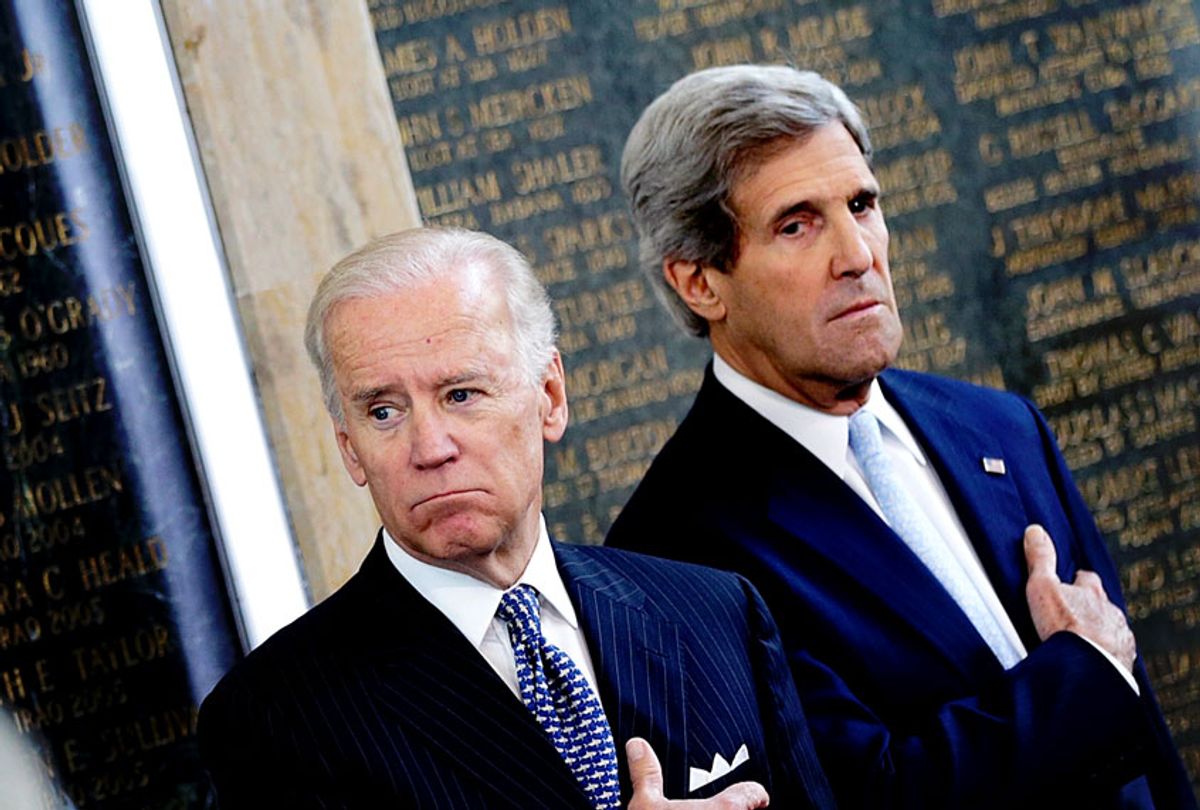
[[14, 422], [41, 148], [599, 376], [410, 56], [14, 597], [561, 167], [13, 684], [416, 11], [526, 28], [42, 235], [532, 101], [589, 307], [141, 646], [69, 403], [521, 208], [585, 234], [1010, 194], [1068, 220], [1052, 133], [419, 128], [728, 51], [664, 26], [1153, 105], [32, 64], [126, 562], [31, 451], [458, 193], [66, 492]]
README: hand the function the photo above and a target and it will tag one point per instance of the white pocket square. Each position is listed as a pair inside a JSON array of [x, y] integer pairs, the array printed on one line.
[[698, 777]]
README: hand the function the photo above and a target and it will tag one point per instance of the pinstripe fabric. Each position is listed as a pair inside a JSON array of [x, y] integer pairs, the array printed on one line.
[[338, 711], [711, 675]]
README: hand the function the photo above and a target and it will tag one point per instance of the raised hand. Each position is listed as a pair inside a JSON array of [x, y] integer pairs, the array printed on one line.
[[1081, 607], [647, 778]]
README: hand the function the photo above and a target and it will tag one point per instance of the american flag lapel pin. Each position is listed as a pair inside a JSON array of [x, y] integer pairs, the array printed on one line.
[[993, 466]]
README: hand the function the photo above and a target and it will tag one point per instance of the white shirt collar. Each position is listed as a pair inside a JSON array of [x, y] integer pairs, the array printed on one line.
[[469, 603], [824, 435]]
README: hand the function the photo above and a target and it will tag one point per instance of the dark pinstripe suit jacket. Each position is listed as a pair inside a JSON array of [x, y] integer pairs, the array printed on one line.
[[374, 699]]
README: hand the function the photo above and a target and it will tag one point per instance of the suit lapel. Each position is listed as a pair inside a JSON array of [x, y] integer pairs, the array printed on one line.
[[636, 654], [988, 504], [428, 678], [836, 523], [807, 500]]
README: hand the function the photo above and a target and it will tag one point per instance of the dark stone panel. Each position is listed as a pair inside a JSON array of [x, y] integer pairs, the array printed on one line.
[[1038, 159], [114, 621]]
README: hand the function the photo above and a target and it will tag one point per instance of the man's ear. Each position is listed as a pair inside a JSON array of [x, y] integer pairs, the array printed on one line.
[[689, 280], [349, 457], [554, 400]]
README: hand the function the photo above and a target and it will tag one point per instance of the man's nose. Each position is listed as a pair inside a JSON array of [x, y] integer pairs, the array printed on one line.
[[432, 442], [852, 254]]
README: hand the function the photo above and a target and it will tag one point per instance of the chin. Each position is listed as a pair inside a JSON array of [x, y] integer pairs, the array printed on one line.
[[862, 371]]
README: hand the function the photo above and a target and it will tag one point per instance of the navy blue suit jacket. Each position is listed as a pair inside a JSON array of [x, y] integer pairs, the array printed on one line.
[[374, 699], [908, 706]]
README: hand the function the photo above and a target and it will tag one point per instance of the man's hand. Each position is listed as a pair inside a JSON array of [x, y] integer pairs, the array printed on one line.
[[1082, 607], [647, 778]]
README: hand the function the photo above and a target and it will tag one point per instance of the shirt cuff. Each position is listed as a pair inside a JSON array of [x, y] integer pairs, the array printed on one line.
[[1125, 673]]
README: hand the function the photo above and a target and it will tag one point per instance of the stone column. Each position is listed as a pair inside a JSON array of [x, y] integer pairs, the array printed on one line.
[[304, 162]]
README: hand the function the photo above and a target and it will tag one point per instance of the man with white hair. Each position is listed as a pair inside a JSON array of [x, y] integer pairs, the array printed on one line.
[[472, 662], [950, 651]]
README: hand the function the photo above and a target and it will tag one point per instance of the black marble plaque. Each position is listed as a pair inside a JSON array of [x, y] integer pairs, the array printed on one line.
[[1038, 160], [113, 618]]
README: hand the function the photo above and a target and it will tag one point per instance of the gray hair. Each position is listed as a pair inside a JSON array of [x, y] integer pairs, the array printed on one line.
[[399, 261], [696, 140]]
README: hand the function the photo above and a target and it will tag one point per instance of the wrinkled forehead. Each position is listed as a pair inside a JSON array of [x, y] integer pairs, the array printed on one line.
[[750, 159]]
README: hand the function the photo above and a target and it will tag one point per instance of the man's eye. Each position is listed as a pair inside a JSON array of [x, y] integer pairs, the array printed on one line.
[[862, 202], [381, 413], [792, 228], [459, 395]]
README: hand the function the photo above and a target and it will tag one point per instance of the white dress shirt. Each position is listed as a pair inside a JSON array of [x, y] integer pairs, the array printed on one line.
[[470, 605], [827, 437]]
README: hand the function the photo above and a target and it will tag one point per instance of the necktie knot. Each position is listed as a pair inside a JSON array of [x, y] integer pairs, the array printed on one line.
[[520, 606], [865, 439]]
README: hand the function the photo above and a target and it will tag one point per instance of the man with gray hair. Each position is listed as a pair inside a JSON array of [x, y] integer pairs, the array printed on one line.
[[951, 615], [471, 662]]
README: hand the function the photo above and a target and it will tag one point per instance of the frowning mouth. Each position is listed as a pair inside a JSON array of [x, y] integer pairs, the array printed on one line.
[[440, 497]]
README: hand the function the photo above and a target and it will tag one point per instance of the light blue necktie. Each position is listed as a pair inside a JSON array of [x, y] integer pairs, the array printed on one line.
[[911, 523], [558, 694]]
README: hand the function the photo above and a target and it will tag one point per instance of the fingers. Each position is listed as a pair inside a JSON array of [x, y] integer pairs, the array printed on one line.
[[1082, 607], [1042, 559], [742, 796], [1040, 553], [644, 771], [646, 775], [1091, 581]]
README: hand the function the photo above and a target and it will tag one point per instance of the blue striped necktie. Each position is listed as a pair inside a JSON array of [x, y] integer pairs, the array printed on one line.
[[908, 520], [558, 694]]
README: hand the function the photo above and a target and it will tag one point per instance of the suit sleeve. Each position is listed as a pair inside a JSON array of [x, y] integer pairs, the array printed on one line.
[[240, 762], [797, 777], [1060, 715]]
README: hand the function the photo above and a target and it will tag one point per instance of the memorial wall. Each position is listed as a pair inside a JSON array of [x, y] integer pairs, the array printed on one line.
[[114, 621], [1039, 166]]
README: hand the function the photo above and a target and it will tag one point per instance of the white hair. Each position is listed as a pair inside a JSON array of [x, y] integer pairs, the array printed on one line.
[[400, 261]]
